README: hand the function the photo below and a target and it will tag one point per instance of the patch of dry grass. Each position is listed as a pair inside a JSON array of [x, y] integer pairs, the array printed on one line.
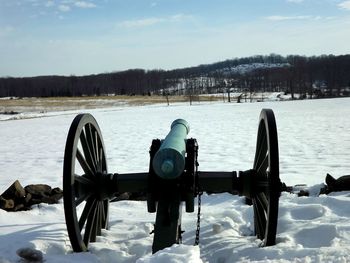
[[73, 103]]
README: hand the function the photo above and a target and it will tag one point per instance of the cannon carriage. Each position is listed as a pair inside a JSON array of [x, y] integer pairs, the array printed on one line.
[[172, 179]]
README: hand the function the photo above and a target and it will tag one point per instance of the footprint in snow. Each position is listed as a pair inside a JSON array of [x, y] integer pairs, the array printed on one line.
[[308, 212], [320, 236]]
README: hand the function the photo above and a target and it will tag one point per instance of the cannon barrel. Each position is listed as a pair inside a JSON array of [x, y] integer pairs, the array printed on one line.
[[169, 160]]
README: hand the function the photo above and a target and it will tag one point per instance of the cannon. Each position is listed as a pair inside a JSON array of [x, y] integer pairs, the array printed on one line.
[[172, 179], [169, 160]]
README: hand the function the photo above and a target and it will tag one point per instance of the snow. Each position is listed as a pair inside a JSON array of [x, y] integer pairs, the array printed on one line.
[[313, 140], [247, 68]]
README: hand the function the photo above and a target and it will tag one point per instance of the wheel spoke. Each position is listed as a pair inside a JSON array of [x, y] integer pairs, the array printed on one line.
[[102, 160], [264, 164], [95, 223], [101, 156], [83, 188], [89, 131], [99, 219], [84, 164], [97, 152], [262, 199], [82, 198], [87, 151], [261, 150], [89, 225], [105, 214], [257, 221], [260, 222], [86, 211]]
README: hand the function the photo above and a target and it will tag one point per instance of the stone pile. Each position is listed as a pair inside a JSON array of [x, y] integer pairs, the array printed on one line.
[[18, 198]]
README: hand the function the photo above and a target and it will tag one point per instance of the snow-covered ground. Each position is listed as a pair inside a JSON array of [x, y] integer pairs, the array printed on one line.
[[314, 139]]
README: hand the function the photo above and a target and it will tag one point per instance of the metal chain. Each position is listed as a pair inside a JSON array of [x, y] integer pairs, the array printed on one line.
[[196, 241], [199, 195]]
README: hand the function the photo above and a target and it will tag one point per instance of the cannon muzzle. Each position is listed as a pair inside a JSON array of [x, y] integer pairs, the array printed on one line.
[[169, 160]]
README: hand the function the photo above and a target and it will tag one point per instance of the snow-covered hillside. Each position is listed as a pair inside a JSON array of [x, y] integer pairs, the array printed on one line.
[[313, 140], [247, 68]]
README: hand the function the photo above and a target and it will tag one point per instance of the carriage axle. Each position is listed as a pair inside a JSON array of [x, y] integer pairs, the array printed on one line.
[[243, 183]]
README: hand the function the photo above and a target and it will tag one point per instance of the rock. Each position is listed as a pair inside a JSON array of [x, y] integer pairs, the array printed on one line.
[[303, 193], [6, 204], [38, 189], [50, 200], [17, 198], [56, 195], [34, 201], [55, 198], [15, 191], [340, 184], [42, 193], [56, 190], [12, 197], [30, 254], [28, 198], [20, 207]]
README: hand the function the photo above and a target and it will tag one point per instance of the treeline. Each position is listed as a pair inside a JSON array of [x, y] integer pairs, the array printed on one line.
[[136, 81], [325, 75]]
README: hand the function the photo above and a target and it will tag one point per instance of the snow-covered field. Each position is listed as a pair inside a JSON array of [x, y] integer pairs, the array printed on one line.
[[314, 139]]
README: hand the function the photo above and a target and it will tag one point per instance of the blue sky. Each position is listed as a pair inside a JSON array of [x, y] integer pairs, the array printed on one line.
[[72, 37]]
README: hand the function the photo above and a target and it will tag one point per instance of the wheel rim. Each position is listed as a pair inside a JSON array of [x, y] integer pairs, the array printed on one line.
[[266, 164], [86, 211]]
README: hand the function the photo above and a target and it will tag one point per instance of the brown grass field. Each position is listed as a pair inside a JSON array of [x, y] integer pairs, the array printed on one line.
[[18, 105]]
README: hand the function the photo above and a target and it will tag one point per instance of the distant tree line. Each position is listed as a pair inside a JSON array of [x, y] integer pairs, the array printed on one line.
[[135, 81], [321, 76]]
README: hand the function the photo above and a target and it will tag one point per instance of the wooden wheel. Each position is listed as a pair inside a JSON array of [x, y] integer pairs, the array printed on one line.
[[267, 192], [85, 206]]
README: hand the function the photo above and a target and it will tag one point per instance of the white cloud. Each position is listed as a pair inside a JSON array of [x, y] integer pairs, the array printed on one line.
[[84, 4], [67, 1], [64, 8], [284, 18], [179, 17], [141, 22], [49, 3], [344, 5], [153, 21], [66, 5], [153, 4]]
